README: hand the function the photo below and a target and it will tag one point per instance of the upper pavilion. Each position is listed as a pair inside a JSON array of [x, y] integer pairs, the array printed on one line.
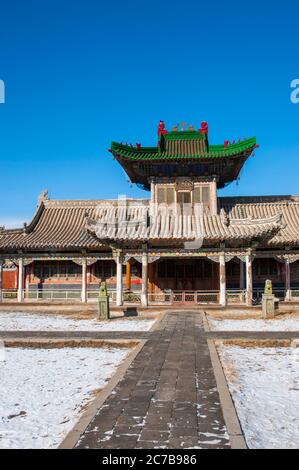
[[183, 153]]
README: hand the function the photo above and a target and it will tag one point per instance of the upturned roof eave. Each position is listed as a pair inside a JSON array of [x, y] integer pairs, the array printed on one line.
[[126, 152]]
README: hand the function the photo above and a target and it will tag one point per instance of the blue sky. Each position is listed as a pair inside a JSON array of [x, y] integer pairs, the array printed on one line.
[[80, 74]]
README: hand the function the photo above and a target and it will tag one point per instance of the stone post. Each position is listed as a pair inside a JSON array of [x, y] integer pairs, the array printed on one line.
[[287, 280], [119, 280], [249, 281], [144, 287], [222, 276], [20, 280], [84, 281]]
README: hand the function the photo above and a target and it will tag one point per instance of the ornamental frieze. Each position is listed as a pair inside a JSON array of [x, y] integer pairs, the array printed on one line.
[[15, 261], [287, 258], [80, 261], [216, 259], [184, 184]]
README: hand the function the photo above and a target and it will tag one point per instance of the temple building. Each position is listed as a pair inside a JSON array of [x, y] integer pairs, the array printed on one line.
[[182, 244]]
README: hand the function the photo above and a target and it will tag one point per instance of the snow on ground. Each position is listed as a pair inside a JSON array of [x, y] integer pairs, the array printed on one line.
[[283, 324], [42, 391], [37, 321], [264, 383]]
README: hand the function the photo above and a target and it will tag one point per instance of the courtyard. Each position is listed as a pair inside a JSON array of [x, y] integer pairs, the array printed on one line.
[[163, 379]]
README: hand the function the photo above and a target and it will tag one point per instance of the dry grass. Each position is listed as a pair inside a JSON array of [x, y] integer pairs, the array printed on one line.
[[80, 343], [230, 372], [240, 314], [294, 314], [254, 343]]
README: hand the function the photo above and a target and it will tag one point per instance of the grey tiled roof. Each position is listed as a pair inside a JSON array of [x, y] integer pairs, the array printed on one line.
[[63, 224]]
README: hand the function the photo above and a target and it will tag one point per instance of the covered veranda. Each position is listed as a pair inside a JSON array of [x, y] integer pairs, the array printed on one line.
[[167, 278]]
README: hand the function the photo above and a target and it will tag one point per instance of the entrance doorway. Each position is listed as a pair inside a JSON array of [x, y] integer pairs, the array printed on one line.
[[186, 275]]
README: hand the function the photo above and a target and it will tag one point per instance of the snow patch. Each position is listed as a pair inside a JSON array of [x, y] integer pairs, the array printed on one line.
[[41, 322], [264, 383], [283, 324], [43, 392]]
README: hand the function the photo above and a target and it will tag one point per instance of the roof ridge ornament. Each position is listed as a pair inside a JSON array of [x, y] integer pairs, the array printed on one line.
[[204, 128], [43, 197], [25, 228], [161, 131], [224, 217]]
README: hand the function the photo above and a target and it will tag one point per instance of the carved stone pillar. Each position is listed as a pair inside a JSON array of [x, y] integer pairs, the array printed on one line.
[[119, 280], [287, 280], [249, 280], [144, 287], [222, 279], [20, 280]]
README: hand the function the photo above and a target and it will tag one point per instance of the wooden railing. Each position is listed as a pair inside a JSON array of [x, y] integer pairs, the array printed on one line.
[[167, 297], [183, 297]]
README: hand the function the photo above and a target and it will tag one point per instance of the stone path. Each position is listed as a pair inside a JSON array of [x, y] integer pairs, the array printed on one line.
[[143, 335], [168, 397]]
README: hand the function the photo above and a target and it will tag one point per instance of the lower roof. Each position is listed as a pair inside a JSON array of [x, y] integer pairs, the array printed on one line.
[[62, 224]]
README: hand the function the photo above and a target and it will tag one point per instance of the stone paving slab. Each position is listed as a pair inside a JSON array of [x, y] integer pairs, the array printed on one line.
[[167, 398]]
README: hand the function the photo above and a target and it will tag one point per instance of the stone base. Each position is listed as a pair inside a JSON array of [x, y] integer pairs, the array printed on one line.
[[270, 306], [104, 311]]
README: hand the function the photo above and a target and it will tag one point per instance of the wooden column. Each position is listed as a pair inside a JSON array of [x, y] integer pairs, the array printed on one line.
[[119, 280], [128, 275], [222, 279], [144, 287], [287, 280], [1, 272], [151, 278], [27, 276], [242, 275], [249, 280], [20, 280], [84, 281]]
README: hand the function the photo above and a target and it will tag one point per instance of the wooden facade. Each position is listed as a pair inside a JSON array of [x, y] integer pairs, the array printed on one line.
[[178, 275]]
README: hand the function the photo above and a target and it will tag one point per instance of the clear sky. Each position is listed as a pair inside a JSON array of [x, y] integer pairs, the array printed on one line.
[[79, 74]]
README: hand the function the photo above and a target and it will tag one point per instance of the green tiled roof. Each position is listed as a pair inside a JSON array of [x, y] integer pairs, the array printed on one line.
[[153, 153], [184, 135]]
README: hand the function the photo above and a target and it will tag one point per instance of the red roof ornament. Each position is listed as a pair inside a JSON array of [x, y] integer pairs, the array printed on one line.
[[161, 133], [161, 128], [204, 129]]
